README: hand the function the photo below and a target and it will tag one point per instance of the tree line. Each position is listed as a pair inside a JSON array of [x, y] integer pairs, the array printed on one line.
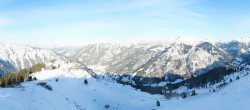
[[11, 79]]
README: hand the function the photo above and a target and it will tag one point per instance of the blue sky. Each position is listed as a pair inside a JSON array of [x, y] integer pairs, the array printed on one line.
[[87, 21]]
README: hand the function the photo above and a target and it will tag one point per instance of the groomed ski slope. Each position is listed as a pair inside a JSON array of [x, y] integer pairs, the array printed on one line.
[[70, 93]]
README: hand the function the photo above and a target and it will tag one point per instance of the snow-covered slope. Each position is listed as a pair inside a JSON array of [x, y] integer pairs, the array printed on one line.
[[234, 48], [153, 59], [97, 54], [234, 96], [14, 57], [156, 59], [70, 93], [66, 51]]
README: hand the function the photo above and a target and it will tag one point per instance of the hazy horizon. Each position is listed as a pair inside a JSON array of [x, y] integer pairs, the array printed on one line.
[[82, 22]]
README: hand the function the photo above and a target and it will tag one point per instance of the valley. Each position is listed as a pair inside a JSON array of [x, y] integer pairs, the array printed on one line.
[[61, 82]]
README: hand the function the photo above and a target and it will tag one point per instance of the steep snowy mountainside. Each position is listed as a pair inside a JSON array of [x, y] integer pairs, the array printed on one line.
[[153, 59], [14, 57], [70, 93], [97, 54], [184, 60], [234, 48], [245, 40], [244, 59], [66, 51]]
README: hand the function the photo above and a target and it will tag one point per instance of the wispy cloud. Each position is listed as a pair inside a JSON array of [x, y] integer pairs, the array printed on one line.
[[194, 14], [115, 19]]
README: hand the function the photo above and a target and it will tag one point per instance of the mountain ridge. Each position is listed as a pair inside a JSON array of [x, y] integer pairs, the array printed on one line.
[[14, 57], [131, 58]]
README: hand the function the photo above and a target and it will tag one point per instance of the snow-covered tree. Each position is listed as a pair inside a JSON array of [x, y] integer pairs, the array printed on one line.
[[86, 82], [158, 103]]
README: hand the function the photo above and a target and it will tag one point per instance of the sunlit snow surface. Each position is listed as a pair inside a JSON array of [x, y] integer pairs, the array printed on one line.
[[70, 93]]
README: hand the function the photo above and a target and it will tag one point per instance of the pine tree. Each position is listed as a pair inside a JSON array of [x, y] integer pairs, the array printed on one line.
[[86, 82], [34, 78], [214, 90], [231, 80], [21, 79], [184, 95], [193, 93], [158, 103], [9, 82], [237, 78], [3, 84], [30, 78], [20, 76]]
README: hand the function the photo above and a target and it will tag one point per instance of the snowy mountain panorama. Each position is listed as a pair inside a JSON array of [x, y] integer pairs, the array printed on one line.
[[73, 86], [156, 59], [124, 55], [155, 75]]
